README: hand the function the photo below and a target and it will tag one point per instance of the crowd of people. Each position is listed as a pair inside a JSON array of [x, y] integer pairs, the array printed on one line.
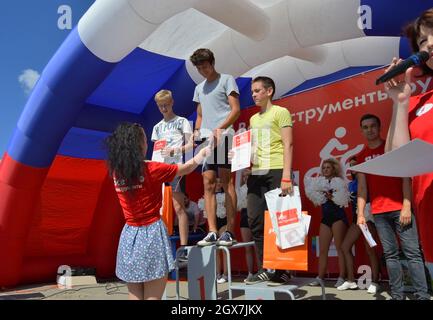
[[385, 204]]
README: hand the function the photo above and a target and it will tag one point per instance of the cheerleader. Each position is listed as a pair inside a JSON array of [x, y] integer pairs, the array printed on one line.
[[330, 192]]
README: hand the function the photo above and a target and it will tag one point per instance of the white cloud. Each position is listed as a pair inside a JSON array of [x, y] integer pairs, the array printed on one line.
[[28, 79]]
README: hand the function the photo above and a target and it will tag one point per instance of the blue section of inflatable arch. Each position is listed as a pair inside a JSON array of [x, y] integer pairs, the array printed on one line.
[[339, 75], [388, 17], [405, 49], [245, 99], [104, 119], [134, 81], [84, 143], [56, 102]]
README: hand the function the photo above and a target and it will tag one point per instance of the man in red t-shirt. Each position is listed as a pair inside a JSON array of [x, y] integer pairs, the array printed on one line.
[[391, 207]]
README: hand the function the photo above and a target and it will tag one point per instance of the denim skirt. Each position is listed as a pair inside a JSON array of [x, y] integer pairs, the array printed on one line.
[[144, 253]]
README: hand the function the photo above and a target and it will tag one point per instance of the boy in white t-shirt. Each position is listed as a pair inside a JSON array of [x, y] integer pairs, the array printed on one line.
[[177, 133]]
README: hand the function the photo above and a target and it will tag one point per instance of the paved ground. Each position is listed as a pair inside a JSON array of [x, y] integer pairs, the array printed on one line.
[[114, 290]]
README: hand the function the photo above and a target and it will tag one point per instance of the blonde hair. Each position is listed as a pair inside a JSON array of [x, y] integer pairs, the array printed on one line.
[[336, 166], [163, 95]]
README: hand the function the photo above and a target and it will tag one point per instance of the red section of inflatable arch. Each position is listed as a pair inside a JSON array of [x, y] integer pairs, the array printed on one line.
[[72, 217], [19, 188]]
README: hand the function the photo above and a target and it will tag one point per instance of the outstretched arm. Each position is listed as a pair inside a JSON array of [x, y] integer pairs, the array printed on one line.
[[188, 167]]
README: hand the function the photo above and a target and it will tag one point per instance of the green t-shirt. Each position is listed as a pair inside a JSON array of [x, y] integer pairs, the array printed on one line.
[[266, 137]]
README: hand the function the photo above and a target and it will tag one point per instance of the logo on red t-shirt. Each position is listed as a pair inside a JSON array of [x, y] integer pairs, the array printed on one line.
[[424, 109], [372, 156]]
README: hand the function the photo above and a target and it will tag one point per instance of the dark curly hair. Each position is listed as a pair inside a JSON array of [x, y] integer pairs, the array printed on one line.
[[125, 153], [413, 30]]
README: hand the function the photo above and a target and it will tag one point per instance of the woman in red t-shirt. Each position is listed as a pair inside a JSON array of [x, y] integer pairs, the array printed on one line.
[[413, 118], [144, 254]]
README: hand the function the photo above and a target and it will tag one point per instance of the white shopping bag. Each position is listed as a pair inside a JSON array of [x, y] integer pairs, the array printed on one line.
[[287, 219]]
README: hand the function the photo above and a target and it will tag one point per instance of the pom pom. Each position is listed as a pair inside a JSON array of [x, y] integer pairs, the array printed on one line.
[[315, 189], [242, 197], [340, 194], [200, 205], [220, 205]]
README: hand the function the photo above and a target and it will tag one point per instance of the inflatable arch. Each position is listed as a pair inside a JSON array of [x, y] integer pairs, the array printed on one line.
[[58, 205]]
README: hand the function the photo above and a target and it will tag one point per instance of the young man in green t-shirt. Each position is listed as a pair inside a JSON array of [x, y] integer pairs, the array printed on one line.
[[272, 163]]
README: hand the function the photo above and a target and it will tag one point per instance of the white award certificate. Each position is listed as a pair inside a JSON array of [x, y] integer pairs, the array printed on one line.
[[158, 146], [241, 151], [367, 235]]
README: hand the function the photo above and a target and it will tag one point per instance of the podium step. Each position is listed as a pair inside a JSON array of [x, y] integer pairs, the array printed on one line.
[[264, 292]]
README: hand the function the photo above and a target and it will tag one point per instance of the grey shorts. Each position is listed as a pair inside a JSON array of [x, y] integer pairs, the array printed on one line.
[[178, 184], [219, 157]]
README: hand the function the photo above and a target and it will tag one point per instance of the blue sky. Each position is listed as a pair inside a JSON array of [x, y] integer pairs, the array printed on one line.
[[29, 35]]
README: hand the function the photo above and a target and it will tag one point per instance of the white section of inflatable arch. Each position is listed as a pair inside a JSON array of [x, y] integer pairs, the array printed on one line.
[[111, 29], [252, 23], [289, 72], [315, 22], [192, 26], [288, 32], [269, 31]]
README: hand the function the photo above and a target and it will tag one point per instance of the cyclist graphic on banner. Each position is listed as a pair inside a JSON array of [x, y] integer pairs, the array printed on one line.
[[334, 148]]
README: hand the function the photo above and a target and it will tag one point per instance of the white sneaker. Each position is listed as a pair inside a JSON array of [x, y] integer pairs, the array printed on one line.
[[249, 277], [339, 282], [222, 279], [316, 282], [373, 288], [210, 239], [348, 285]]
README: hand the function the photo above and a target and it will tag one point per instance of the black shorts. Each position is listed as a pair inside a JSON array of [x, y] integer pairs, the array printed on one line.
[[331, 213], [221, 222], [219, 157]]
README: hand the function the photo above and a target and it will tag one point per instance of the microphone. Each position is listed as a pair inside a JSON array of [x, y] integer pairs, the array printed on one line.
[[414, 60]]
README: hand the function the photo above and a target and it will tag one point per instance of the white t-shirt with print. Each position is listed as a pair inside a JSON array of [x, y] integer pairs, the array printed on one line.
[[173, 131]]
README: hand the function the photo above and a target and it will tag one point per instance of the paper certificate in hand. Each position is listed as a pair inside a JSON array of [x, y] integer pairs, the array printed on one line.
[[367, 235], [241, 151], [158, 146]]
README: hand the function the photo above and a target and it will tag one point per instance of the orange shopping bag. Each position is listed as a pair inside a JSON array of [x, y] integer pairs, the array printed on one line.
[[167, 209], [295, 258]]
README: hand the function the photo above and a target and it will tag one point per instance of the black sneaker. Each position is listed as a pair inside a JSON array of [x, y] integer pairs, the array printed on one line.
[[279, 278], [182, 256], [226, 239], [209, 240], [260, 276]]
